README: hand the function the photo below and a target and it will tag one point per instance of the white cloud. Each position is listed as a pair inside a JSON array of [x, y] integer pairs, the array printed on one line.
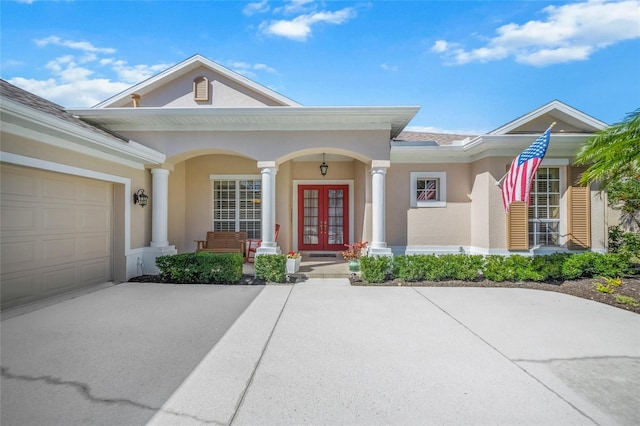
[[247, 69], [256, 7], [85, 76], [80, 93], [388, 67], [299, 28], [297, 6], [78, 45], [571, 32], [136, 73]]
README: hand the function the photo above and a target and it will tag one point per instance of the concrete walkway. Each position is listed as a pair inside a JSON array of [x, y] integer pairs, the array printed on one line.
[[323, 352]]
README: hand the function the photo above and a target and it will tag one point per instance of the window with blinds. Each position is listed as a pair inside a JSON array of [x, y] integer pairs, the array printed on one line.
[[236, 205], [544, 207]]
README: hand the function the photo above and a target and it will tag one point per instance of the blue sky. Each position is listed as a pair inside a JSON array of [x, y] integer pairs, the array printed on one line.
[[472, 66]]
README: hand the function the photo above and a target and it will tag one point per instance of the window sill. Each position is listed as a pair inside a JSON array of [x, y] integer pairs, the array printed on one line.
[[422, 204]]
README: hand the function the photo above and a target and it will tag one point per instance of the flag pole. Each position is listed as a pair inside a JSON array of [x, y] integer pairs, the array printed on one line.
[[499, 183]]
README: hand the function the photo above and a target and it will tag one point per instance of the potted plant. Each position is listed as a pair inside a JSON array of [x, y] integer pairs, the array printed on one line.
[[293, 262], [353, 253]]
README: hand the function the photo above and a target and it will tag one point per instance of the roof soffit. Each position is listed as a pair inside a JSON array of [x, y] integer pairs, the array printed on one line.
[[392, 119], [185, 67]]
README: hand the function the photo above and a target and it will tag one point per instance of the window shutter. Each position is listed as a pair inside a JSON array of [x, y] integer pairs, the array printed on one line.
[[201, 89], [518, 226], [579, 220]]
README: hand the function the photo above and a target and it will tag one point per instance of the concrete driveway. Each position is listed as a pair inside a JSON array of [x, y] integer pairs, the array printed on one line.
[[323, 352], [111, 357]]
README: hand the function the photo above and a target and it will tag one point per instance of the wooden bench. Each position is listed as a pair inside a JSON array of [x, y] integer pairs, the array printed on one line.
[[223, 242]]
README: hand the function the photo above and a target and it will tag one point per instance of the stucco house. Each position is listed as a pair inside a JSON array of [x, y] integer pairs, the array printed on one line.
[[217, 151]]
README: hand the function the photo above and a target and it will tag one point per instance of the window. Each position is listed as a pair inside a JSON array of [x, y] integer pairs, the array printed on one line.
[[201, 89], [428, 189], [544, 208], [236, 204]]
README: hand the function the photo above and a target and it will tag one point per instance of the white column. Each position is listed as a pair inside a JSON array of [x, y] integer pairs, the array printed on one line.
[[268, 245], [378, 245], [160, 206]]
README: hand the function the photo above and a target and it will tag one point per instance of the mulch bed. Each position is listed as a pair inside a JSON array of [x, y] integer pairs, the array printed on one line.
[[580, 288]]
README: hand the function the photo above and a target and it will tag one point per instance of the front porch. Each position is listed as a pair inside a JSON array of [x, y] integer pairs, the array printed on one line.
[[315, 265]]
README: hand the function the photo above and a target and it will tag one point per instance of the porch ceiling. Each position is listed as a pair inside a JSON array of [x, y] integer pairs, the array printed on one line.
[[393, 119]]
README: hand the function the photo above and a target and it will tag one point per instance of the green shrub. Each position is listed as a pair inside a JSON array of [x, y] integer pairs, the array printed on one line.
[[409, 267], [549, 267], [271, 267], [625, 243], [374, 269], [201, 267], [590, 264]]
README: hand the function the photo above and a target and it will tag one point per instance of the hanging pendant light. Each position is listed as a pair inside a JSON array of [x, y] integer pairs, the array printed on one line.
[[323, 167]]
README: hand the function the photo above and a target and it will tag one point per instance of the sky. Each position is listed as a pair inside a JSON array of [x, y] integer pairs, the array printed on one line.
[[472, 66]]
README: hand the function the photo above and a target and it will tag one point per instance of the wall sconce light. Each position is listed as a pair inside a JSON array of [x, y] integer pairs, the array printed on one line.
[[323, 167], [139, 197]]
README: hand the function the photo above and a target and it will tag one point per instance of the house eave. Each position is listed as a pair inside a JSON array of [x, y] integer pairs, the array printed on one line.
[[22, 121], [564, 146], [393, 119]]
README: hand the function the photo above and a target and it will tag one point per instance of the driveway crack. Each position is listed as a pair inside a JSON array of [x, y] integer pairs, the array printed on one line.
[[85, 390]]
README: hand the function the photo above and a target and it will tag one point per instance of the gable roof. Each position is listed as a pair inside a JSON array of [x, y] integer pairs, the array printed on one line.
[[570, 119], [184, 67]]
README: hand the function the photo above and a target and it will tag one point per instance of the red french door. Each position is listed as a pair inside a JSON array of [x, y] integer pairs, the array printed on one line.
[[323, 217]]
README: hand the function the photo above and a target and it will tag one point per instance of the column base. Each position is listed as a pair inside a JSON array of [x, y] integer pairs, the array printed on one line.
[[268, 250], [379, 251]]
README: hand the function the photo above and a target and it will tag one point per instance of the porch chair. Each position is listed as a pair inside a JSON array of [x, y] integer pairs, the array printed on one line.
[[252, 245]]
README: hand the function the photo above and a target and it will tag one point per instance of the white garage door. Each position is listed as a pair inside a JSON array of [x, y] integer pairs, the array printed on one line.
[[55, 233]]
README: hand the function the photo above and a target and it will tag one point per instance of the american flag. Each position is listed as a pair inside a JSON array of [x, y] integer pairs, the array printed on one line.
[[517, 181]]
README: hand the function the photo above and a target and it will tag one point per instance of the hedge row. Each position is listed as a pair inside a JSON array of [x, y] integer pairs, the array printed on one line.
[[201, 267], [551, 268]]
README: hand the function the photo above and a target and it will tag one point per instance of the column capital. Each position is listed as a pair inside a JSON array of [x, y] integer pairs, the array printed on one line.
[[159, 172], [268, 165], [380, 164]]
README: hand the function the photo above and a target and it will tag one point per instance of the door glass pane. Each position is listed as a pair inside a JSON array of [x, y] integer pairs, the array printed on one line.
[[335, 198], [310, 219]]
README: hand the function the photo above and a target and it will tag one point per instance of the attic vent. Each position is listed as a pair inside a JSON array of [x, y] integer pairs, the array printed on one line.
[[201, 89]]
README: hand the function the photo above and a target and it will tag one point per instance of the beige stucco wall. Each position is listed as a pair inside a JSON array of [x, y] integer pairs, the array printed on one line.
[[433, 226], [177, 215], [267, 145], [198, 192]]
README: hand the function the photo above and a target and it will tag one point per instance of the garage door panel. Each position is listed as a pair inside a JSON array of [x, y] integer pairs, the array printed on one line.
[[19, 184], [20, 288], [93, 272], [94, 246], [56, 233], [56, 219], [58, 249], [58, 188], [93, 220], [21, 253], [92, 193], [18, 218]]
